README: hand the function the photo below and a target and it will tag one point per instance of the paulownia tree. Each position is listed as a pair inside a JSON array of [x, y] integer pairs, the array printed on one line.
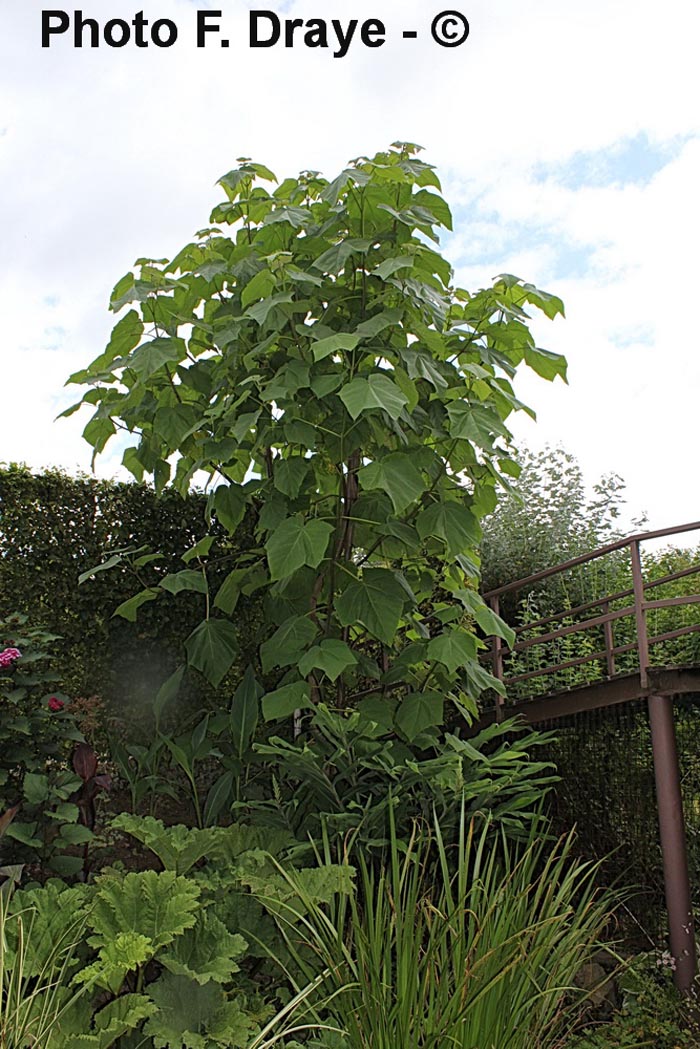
[[309, 352]]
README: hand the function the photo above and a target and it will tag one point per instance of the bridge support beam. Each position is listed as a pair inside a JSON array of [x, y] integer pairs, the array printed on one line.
[[673, 841]]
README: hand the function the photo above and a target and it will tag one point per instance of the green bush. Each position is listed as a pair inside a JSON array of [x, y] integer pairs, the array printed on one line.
[[652, 1012], [38, 787], [54, 527]]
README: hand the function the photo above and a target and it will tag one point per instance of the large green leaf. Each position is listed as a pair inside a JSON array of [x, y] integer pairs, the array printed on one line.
[[451, 521], [129, 609], [372, 327], [35, 788], [489, 622], [331, 656], [258, 288], [185, 1011], [333, 344], [176, 423], [125, 336], [288, 643], [187, 579], [417, 712], [159, 905], [285, 700], [289, 475], [545, 363], [109, 1024], [480, 680], [379, 391], [121, 954], [229, 503], [421, 365], [211, 648], [454, 648], [391, 266], [295, 543], [206, 952], [261, 310], [333, 260], [230, 590], [245, 707], [396, 475], [98, 432], [178, 848], [111, 561], [297, 217], [151, 356], [475, 423], [376, 600]]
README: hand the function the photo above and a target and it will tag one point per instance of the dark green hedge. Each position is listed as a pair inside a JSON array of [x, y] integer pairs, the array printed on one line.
[[52, 528]]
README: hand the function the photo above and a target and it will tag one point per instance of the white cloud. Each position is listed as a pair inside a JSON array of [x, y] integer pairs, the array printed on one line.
[[630, 336], [106, 155]]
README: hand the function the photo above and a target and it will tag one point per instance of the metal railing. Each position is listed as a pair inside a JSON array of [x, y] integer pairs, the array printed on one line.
[[602, 614], [605, 614]]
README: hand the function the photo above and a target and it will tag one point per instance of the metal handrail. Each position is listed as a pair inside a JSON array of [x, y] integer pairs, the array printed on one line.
[[639, 608], [661, 581], [640, 537]]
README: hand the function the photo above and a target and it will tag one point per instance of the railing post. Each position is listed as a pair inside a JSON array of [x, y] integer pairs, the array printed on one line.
[[640, 614], [673, 841], [497, 659], [609, 641]]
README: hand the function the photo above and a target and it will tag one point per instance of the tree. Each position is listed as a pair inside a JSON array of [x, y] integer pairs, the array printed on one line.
[[309, 352], [548, 518]]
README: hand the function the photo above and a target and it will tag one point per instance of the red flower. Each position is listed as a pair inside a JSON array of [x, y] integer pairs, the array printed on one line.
[[56, 704]]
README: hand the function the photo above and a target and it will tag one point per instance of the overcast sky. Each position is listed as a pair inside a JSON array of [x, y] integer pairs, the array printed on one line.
[[567, 135]]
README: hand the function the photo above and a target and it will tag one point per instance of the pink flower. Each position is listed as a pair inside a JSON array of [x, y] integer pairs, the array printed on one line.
[[56, 704], [9, 656]]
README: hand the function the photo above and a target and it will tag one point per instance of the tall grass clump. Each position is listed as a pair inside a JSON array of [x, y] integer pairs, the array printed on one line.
[[34, 979], [471, 946]]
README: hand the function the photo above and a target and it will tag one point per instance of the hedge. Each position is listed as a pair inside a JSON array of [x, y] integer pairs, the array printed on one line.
[[53, 527]]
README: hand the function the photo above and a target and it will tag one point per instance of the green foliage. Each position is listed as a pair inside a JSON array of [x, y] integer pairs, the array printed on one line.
[[465, 945], [207, 951], [178, 848], [33, 971], [197, 1017], [652, 1012], [30, 733], [157, 906], [309, 352], [350, 771], [592, 582], [37, 732], [548, 519], [171, 957], [53, 528], [144, 771]]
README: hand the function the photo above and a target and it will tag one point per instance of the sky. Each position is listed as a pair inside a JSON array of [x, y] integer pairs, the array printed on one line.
[[566, 134]]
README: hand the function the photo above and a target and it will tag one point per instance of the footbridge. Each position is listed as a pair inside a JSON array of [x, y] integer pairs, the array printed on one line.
[[616, 625]]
